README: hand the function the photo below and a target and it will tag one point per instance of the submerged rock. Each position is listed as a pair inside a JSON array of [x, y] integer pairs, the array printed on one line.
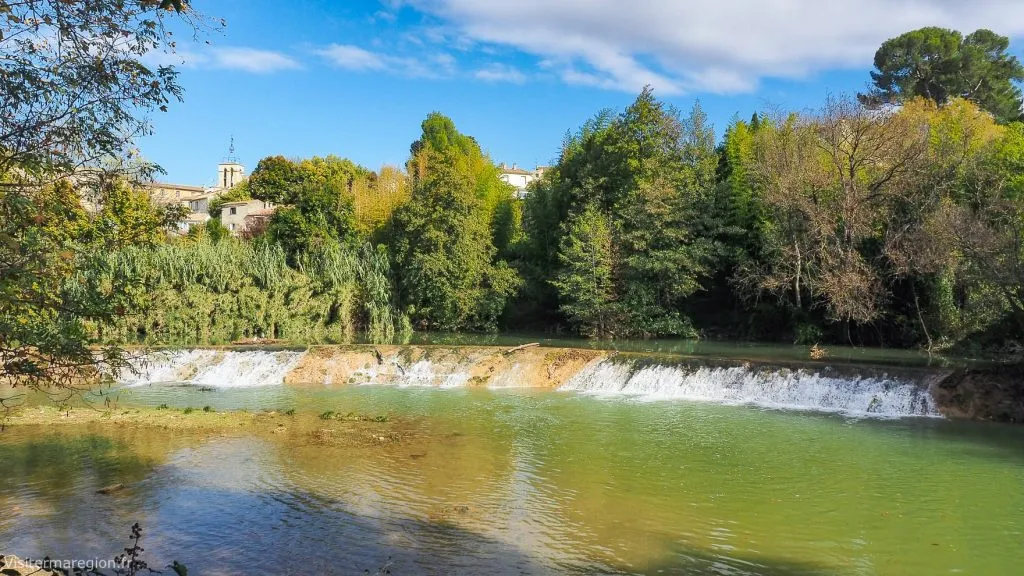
[[113, 488]]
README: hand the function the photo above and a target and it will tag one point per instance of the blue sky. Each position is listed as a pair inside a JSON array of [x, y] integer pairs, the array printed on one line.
[[356, 78]]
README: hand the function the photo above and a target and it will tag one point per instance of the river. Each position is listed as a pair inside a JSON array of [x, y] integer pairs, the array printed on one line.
[[514, 481]]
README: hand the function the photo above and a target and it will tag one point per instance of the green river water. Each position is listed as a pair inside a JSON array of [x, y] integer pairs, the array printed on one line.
[[517, 482]]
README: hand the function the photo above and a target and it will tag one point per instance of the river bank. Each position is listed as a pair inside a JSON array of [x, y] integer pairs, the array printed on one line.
[[327, 427], [993, 393]]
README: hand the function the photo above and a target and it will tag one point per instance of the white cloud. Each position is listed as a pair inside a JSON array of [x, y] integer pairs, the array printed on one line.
[[445, 63], [232, 58], [351, 57], [251, 60], [500, 73], [717, 46]]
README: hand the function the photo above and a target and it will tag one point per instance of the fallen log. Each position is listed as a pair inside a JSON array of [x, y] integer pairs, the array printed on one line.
[[522, 347]]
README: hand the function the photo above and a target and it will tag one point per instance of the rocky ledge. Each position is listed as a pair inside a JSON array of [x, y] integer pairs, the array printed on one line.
[[994, 393]]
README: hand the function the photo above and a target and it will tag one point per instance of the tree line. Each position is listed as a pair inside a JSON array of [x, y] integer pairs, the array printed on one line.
[[891, 218]]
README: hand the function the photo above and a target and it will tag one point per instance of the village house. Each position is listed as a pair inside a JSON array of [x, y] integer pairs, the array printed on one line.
[[199, 198], [244, 215], [163, 193], [192, 220], [520, 179]]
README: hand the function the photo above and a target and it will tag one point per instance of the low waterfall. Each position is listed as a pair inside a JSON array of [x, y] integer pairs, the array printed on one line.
[[866, 393], [393, 371], [858, 390], [214, 368]]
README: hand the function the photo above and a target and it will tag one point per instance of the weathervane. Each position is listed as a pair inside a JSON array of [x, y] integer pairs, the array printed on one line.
[[231, 152]]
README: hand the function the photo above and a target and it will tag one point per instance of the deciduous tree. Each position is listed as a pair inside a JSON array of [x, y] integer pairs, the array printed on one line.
[[74, 94]]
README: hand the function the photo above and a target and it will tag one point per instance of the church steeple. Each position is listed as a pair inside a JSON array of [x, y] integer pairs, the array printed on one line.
[[230, 172]]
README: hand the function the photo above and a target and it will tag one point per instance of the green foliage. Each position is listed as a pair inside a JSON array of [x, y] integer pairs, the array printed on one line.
[[276, 179], [128, 217], [653, 174], [318, 206], [74, 93], [55, 284], [216, 231], [376, 197], [896, 227], [79, 91], [441, 240], [537, 253], [738, 200], [205, 292], [586, 279], [807, 334], [338, 174], [941, 64]]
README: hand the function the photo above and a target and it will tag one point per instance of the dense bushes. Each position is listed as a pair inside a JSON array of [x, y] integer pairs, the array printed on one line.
[[206, 292]]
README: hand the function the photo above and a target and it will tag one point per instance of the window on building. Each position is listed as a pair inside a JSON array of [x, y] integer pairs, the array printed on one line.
[[234, 210]]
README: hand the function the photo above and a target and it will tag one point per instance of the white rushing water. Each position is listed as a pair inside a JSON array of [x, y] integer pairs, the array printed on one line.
[[864, 392], [878, 395], [422, 373], [215, 368]]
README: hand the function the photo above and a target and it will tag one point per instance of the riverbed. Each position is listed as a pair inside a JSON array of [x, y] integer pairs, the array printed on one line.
[[513, 481]]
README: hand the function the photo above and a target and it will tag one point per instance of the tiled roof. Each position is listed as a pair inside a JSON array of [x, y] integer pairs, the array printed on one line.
[[172, 186], [518, 171], [201, 196], [262, 212]]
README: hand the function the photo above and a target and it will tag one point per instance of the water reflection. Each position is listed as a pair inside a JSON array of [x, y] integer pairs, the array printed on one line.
[[484, 482]]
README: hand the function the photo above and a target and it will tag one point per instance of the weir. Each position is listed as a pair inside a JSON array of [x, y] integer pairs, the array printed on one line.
[[852, 389], [822, 389], [214, 368]]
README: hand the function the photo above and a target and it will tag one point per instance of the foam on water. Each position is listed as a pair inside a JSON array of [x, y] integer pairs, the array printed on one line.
[[215, 368], [422, 373], [866, 391], [877, 395]]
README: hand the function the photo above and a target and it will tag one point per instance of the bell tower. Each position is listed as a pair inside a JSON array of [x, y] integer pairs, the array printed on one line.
[[230, 172]]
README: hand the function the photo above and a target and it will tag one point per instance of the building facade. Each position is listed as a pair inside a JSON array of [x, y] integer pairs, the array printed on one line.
[[518, 178], [162, 193], [237, 217], [197, 199], [229, 174]]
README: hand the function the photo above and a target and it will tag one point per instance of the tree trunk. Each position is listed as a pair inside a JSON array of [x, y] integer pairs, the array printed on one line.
[[796, 280], [920, 318]]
